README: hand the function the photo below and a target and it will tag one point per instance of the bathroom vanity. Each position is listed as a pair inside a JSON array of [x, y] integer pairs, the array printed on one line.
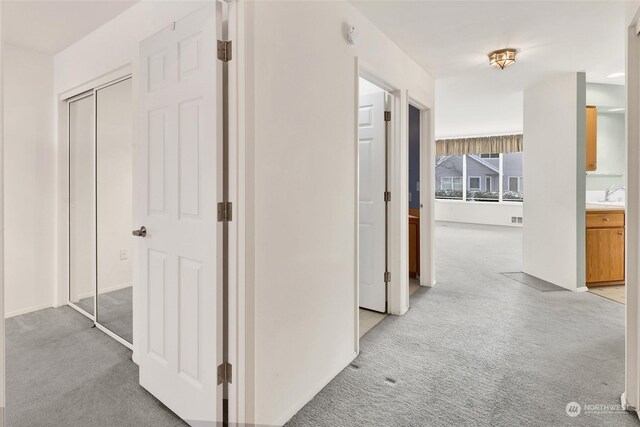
[[605, 244]]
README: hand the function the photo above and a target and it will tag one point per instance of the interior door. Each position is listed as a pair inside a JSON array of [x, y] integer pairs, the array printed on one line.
[[372, 186], [177, 185]]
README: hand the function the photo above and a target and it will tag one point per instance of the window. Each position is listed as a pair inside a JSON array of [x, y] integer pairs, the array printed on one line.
[[515, 184], [449, 177], [474, 183], [494, 177], [451, 183]]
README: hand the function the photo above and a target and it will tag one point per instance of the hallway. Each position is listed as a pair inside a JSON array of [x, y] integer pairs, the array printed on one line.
[[482, 349]]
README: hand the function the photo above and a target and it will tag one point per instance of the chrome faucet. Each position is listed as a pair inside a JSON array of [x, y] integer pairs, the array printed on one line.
[[610, 192]]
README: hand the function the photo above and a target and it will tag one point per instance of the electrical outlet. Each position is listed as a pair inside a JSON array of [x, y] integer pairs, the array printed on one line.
[[124, 254]]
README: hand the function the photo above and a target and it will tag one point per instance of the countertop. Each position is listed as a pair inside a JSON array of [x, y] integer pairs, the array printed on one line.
[[599, 207]]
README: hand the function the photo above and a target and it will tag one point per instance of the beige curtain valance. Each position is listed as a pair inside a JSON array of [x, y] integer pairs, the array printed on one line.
[[479, 145]]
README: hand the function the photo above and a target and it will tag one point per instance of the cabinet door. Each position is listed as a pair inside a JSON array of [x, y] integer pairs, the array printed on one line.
[[414, 253], [605, 255], [592, 138]]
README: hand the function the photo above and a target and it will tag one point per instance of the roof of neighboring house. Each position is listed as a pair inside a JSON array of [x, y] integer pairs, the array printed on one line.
[[484, 162], [475, 157]]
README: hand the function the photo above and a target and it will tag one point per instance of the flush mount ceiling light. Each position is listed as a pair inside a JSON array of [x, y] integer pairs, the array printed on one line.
[[615, 75], [502, 58]]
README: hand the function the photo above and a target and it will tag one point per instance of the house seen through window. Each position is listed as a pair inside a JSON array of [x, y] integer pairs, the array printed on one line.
[[491, 177]]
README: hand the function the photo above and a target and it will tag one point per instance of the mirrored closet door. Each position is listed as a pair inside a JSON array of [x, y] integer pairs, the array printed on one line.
[[82, 217], [100, 200]]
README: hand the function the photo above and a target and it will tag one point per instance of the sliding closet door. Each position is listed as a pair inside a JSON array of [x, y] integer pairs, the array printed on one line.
[[114, 125], [82, 203]]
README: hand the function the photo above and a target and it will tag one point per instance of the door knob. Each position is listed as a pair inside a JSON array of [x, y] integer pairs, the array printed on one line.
[[140, 233]]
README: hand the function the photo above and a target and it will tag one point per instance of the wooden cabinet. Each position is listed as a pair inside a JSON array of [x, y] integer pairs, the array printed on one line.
[[592, 138], [605, 247], [414, 242]]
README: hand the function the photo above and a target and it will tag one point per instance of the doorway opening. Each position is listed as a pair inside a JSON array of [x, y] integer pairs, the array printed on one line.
[[415, 202], [373, 198]]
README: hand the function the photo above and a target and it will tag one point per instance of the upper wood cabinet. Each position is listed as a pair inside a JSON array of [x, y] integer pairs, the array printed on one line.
[[592, 138]]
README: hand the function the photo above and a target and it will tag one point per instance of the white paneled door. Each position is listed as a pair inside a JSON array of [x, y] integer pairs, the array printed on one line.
[[372, 185], [178, 182]]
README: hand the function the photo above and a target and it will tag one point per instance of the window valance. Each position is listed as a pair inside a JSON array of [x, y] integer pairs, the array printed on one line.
[[479, 145]]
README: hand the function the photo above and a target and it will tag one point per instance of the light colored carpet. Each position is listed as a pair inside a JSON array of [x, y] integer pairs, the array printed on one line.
[[62, 372], [370, 319], [479, 350], [115, 311]]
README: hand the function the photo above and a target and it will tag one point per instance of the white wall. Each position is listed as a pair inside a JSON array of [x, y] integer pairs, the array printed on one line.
[[459, 115], [478, 213], [29, 179], [554, 207], [301, 142]]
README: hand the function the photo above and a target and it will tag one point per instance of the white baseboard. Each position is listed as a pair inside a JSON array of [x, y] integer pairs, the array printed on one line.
[[582, 289], [31, 309], [625, 404], [105, 290], [115, 288], [306, 398]]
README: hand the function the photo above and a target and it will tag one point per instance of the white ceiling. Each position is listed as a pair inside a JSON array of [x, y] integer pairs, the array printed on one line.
[[451, 39], [51, 26]]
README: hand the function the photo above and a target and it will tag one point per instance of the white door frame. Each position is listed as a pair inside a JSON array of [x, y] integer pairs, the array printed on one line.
[[397, 209], [2, 321], [631, 395], [426, 194], [239, 258]]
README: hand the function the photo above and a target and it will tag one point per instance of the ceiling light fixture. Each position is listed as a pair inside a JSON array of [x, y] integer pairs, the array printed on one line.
[[615, 75], [615, 110], [502, 58]]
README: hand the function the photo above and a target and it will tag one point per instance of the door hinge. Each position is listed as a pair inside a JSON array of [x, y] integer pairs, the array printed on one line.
[[387, 277], [224, 50], [225, 211], [387, 196], [224, 373], [387, 116]]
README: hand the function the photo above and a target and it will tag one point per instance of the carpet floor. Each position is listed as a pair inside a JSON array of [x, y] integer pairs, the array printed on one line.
[[62, 372], [115, 311], [480, 349]]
